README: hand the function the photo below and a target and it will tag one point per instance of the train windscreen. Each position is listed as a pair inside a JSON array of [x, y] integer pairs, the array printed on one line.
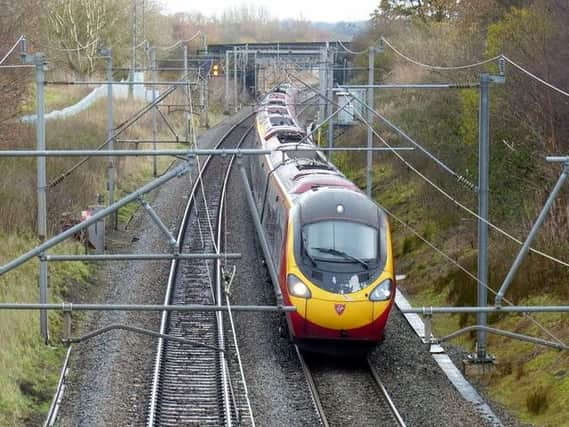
[[340, 241]]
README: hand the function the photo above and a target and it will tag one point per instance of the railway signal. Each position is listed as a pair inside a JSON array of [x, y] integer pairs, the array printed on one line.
[[216, 70]]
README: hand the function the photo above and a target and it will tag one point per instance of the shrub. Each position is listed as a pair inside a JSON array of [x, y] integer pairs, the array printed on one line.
[[537, 401]]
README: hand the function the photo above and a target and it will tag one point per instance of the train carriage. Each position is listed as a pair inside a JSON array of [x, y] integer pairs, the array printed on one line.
[[330, 243]]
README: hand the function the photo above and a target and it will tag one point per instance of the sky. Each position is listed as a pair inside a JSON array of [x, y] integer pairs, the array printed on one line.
[[313, 10]]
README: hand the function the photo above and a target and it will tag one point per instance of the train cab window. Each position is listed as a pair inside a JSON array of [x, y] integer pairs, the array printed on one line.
[[341, 242], [286, 137], [281, 121]]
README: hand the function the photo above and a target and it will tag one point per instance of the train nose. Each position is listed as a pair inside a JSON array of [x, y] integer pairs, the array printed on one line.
[[337, 319]]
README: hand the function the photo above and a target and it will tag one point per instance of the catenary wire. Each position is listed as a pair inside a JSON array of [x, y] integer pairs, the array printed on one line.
[[436, 67], [477, 64], [438, 188], [11, 49], [457, 202], [179, 42], [359, 52], [434, 158], [465, 270], [533, 76]]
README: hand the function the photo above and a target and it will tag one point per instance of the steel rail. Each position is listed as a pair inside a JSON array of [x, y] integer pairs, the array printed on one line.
[[58, 395], [314, 395], [172, 279], [385, 394], [219, 299]]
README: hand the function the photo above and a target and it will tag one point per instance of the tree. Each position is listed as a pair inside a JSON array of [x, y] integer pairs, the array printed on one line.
[[426, 10], [76, 28], [16, 19]]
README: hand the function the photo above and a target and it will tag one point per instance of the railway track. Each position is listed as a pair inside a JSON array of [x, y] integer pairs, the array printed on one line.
[[348, 392], [197, 384]]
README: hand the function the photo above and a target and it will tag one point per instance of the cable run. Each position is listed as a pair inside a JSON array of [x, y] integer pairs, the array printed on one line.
[[179, 42], [465, 270], [436, 67], [457, 202], [435, 186], [533, 76], [11, 49], [360, 52], [398, 130], [461, 179], [116, 132]]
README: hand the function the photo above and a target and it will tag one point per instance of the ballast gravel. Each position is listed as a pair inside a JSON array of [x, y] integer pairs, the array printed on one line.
[[110, 375]]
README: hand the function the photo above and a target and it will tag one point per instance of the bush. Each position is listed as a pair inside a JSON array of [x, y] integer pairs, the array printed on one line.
[[537, 402]]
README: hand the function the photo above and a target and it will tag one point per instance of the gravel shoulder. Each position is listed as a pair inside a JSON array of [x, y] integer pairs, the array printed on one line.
[[110, 374]]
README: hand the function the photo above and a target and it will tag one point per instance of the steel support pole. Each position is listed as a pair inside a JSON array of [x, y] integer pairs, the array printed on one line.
[[531, 236], [242, 65], [43, 285], [235, 78], [161, 226], [330, 96], [40, 144], [323, 83], [111, 167], [185, 152], [39, 62], [226, 101], [202, 99], [260, 232], [154, 111], [483, 175], [370, 99], [141, 257], [65, 306], [206, 100], [133, 57], [255, 75], [186, 97]]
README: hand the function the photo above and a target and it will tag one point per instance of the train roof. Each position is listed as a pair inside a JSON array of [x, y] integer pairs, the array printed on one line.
[[333, 203], [297, 166]]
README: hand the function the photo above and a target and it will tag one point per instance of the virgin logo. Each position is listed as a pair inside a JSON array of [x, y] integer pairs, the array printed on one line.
[[340, 308]]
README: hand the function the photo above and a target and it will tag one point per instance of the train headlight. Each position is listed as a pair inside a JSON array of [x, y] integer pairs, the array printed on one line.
[[383, 291], [297, 288]]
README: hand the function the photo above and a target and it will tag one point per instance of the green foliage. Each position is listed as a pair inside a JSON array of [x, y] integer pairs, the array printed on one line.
[[518, 26], [527, 122], [28, 368], [537, 401], [428, 10]]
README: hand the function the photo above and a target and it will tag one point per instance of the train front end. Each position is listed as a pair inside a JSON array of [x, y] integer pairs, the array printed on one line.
[[339, 271]]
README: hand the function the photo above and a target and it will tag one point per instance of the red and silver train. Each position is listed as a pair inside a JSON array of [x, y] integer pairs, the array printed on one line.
[[330, 243]]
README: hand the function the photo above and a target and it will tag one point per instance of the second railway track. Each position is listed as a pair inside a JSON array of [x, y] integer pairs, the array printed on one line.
[[191, 383]]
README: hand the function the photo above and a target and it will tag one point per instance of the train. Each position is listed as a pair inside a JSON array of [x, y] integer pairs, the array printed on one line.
[[331, 244]]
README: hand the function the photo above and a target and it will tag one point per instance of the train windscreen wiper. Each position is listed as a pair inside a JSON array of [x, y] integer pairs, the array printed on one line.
[[344, 255], [305, 252]]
